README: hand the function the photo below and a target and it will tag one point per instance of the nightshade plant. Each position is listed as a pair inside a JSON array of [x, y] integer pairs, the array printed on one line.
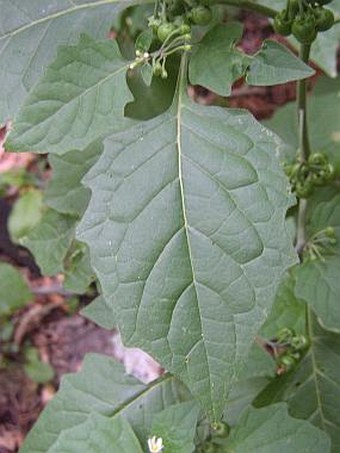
[[179, 212]]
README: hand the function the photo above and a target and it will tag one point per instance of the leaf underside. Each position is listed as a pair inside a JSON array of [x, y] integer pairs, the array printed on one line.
[[186, 234], [31, 32], [80, 99]]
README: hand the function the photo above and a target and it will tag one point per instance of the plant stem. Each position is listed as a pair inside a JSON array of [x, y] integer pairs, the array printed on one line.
[[247, 4], [304, 147], [301, 230]]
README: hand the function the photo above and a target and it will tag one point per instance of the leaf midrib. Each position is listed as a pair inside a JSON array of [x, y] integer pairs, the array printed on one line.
[[181, 89]]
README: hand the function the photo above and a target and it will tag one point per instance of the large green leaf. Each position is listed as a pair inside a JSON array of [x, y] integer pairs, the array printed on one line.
[[312, 390], [98, 434], [30, 33], [271, 429], [80, 98], [216, 64], [323, 114], [187, 237], [14, 290], [65, 193], [103, 388]]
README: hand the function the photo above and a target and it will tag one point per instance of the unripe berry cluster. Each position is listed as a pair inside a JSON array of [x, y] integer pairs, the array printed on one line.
[[304, 19]]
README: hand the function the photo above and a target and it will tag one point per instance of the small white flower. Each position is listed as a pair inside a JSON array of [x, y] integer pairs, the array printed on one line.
[[155, 445]]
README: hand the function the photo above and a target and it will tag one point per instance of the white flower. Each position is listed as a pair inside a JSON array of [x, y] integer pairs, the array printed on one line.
[[155, 445]]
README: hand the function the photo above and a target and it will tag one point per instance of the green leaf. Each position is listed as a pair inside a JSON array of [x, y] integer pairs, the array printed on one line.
[[50, 240], [242, 395], [65, 193], [30, 33], [318, 284], [35, 369], [153, 100], [103, 388], [312, 390], [14, 290], [98, 434], [324, 50], [288, 310], [323, 211], [99, 312], [317, 281], [274, 64], [271, 429], [186, 234], [176, 425], [323, 114], [25, 214], [144, 40], [216, 64], [80, 99]]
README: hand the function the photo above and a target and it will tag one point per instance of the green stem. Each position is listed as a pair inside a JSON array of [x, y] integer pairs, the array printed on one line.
[[304, 147], [304, 144], [301, 228], [305, 150], [247, 4]]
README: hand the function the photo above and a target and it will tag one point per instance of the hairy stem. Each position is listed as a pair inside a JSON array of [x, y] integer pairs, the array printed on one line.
[[248, 4], [304, 147]]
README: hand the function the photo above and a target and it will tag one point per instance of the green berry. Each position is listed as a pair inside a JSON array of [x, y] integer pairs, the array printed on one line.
[[329, 232], [304, 190], [317, 159], [282, 23], [324, 18], [285, 335], [184, 29], [287, 361], [304, 28], [165, 30], [221, 429], [299, 342], [201, 15]]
